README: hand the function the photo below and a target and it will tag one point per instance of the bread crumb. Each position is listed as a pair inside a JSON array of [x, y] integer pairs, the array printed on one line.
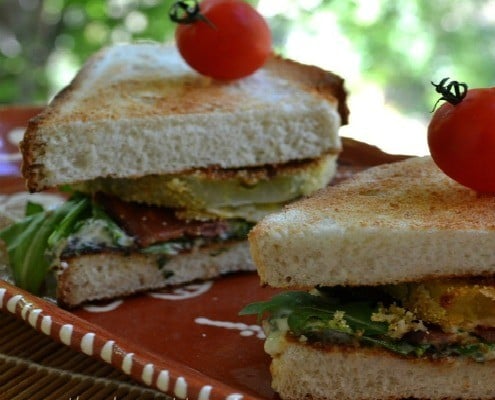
[[400, 321]]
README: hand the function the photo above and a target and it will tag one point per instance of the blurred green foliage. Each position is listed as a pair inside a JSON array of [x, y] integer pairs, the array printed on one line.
[[34, 33], [402, 44], [408, 43]]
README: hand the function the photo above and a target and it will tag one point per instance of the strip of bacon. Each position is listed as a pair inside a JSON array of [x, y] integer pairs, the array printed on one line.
[[151, 225]]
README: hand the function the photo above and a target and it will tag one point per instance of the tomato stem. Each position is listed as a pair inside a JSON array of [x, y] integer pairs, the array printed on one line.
[[453, 92], [188, 12]]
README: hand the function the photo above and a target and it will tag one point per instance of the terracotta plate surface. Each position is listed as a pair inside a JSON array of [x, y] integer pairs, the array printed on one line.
[[189, 342]]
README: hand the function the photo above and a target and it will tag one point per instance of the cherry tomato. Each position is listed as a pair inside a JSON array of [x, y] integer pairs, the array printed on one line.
[[230, 40], [461, 138]]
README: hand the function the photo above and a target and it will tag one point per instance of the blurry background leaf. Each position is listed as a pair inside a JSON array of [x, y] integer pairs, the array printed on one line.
[[387, 50], [44, 42]]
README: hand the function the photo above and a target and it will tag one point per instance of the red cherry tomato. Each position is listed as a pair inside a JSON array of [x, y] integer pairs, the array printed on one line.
[[461, 138], [233, 41]]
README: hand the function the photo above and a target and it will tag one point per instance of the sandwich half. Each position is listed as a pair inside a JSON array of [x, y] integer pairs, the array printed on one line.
[[167, 169], [392, 288]]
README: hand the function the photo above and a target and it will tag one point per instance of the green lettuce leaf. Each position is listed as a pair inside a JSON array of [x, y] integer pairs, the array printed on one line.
[[118, 235], [314, 316], [397, 346], [280, 305], [28, 240], [33, 208], [68, 216], [308, 312]]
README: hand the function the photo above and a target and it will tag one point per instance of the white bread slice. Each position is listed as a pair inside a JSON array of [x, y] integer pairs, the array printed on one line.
[[138, 109], [339, 373], [397, 222], [111, 275]]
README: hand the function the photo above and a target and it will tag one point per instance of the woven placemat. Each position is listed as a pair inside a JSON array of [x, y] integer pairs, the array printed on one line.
[[33, 366]]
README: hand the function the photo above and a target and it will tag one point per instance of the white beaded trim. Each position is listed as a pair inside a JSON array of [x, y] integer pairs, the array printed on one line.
[[18, 305]]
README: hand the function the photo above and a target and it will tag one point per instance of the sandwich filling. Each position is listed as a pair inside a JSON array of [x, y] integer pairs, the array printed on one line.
[[248, 193], [158, 216], [101, 224], [434, 319]]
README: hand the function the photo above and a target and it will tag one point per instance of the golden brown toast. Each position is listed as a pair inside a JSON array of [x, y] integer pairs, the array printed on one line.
[[138, 109], [398, 222]]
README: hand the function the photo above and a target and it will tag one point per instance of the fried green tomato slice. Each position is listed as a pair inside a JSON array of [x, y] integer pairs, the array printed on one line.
[[248, 193], [457, 304]]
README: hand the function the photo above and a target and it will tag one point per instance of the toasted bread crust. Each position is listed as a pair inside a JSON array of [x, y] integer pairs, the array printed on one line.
[[97, 102], [31, 145], [312, 78], [418, 186], [399, 222]]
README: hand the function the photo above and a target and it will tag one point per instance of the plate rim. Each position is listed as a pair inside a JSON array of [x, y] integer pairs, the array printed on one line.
[[157, 372]]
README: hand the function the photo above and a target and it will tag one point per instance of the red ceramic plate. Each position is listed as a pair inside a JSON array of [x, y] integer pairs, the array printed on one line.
[[188, 342]]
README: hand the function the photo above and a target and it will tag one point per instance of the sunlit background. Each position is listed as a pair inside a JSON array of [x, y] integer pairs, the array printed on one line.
[[388, 51]]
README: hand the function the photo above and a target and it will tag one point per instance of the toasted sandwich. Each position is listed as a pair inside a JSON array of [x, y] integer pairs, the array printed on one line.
[[168, 169], [391, 288]]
